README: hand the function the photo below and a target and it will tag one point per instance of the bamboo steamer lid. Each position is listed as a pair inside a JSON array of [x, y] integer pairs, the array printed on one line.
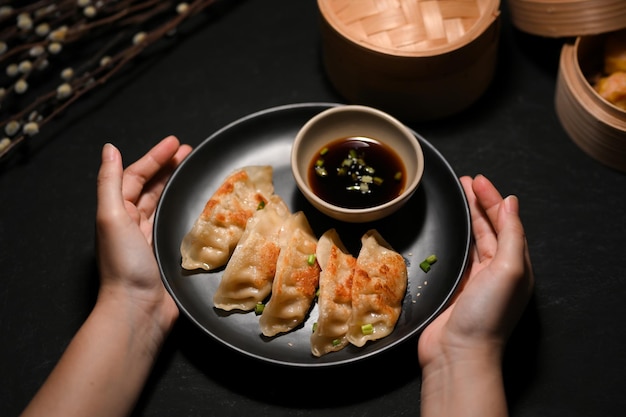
[[566, 18], [416, 59], [597, 126]]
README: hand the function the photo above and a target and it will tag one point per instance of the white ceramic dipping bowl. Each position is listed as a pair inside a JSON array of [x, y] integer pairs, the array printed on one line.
[[356, 121]]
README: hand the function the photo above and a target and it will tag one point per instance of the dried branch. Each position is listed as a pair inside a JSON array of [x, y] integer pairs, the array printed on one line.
[[36, 38]]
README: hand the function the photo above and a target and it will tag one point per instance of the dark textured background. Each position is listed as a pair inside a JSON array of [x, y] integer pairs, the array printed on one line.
[[567, 357]]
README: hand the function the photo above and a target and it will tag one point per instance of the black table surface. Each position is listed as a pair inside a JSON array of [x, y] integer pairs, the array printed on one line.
[[566, 357]]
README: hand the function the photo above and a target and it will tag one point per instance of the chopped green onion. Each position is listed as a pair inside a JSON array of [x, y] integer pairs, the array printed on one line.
[[321, 171], [319, 162], [261, 205], [431, 259], [352, 153], [367, 328], [426, 263], [311, 259], [398, 176], [258, 308], [378, 180], [324, 151], [336, 342], [314, 327]]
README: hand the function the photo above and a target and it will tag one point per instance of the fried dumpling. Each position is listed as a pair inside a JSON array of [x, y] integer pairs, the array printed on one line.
[[217, 230], [334, 298], [247, 279], [378, 288], [296, 279]]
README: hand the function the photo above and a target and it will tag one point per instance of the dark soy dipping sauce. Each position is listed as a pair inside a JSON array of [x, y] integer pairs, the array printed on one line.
[[333, 180]]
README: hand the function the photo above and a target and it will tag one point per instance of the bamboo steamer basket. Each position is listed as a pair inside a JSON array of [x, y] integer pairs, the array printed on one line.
[[566, 18], [597, 126], [416, 59]]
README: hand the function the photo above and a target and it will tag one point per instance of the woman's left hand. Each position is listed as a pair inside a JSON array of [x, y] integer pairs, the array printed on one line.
[[127, 201]]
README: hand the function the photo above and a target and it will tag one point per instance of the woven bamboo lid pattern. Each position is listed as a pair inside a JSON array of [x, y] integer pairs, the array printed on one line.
[[565, 18], [415, 59], [410, 27]]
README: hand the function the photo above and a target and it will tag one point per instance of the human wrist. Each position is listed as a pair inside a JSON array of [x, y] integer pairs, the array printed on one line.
[[458, 351], [457, 364], [152, 317], [464, 382], [114, 351]]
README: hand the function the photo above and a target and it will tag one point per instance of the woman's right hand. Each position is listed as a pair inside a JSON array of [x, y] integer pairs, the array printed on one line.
[[468, 339]]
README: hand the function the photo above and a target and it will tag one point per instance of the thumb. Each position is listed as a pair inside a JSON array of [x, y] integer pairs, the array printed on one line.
[[109, 184]]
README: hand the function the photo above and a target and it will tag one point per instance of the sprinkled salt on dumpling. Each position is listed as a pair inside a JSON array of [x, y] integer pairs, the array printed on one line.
[[334, 295], [248, 277], [217, 230], [296, 279], [378, 288]]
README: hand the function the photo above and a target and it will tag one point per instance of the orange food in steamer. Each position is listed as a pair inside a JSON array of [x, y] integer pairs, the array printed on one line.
[[613, 88], [612, 85]]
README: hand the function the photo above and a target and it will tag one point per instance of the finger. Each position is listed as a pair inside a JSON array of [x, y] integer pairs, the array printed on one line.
[[488, 197], [516, 227], [143, 170], [163, 176], [483, 232], [511, 238], [181, 154], [109, 182], [511, 256], [466, 183], [474, 207], [152, 191]]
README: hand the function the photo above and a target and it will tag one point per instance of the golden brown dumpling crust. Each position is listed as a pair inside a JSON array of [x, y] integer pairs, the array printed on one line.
[[217, 230], [239, 210], [379, 286], [335, 295], [247, 279], [295, 283]]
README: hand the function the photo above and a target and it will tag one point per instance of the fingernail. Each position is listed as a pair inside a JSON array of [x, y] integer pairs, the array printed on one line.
[[108, 152], [511, 204]]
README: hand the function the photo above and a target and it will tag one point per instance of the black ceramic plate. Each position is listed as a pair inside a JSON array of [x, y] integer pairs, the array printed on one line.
[[435, 221]]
